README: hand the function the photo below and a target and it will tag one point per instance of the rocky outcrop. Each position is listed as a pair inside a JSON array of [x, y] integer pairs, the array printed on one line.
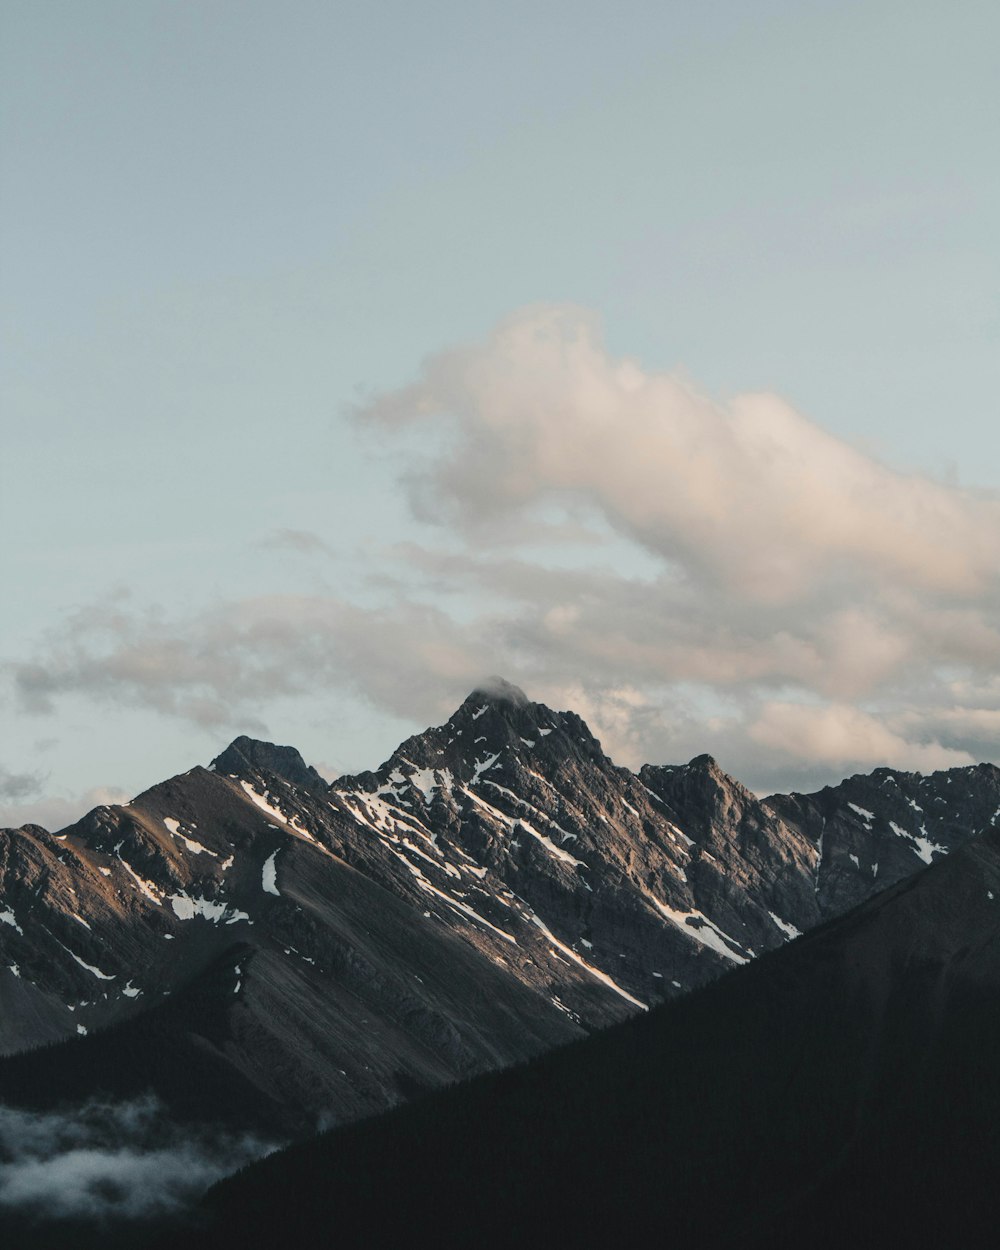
[[284, 762]]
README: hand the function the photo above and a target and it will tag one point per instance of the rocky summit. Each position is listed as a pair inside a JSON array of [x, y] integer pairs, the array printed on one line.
[[252, 943]]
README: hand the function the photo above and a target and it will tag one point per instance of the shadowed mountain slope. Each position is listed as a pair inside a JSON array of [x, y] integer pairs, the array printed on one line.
[[841, 1091]]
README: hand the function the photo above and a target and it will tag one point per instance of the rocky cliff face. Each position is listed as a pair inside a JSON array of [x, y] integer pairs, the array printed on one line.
[[497, 887], [871, 831]]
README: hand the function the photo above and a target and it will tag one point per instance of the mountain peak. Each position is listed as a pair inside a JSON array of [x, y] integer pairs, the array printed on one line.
[[504, 714], [498, 690], [282, 761]]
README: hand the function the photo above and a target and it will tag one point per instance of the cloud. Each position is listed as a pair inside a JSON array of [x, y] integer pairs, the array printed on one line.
[[112, 1160], [842, 736], [304, 542], [15, 786], [689, 575], [660, 672], [57, 811], [217, 668], [749, 495]]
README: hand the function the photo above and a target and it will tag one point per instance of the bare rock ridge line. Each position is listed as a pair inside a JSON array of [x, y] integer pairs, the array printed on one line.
[[498, 886]]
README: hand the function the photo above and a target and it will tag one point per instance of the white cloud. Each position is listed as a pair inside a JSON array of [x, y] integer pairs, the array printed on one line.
[[845, 737], [751, 494]]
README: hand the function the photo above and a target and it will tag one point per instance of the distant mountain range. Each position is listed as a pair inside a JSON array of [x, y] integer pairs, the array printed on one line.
[[263, 950]]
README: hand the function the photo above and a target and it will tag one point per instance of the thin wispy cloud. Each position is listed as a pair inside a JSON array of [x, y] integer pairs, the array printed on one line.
[[19, 786], [303, 542], [55, 811]]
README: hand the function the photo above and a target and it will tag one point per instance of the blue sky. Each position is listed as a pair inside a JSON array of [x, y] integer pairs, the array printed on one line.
[[235, 496]]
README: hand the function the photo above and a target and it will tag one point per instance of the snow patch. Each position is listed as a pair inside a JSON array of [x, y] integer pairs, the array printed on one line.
[[186, 908], [514, 823], [260, 801], [194, 847], [386, 819], [7, 917], [565, 835], [148, 888], [703, 930], [464, 908], [577, 959], [483, 766], [426, 781], [290, 822], [923, 847], [103, 976], [549, 845], [789, 930], [269, 875]]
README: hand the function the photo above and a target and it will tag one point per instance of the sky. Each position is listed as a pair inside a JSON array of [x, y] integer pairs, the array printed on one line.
[[644, 354]]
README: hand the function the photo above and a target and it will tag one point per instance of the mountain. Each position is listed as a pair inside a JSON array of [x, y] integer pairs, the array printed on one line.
[[269, 952], [841, 1091]]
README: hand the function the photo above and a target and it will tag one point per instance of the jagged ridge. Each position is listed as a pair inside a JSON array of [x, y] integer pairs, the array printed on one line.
[[494, 888]]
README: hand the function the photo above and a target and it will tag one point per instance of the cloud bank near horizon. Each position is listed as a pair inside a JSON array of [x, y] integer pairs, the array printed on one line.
[[118, 1161], [795, 606]]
